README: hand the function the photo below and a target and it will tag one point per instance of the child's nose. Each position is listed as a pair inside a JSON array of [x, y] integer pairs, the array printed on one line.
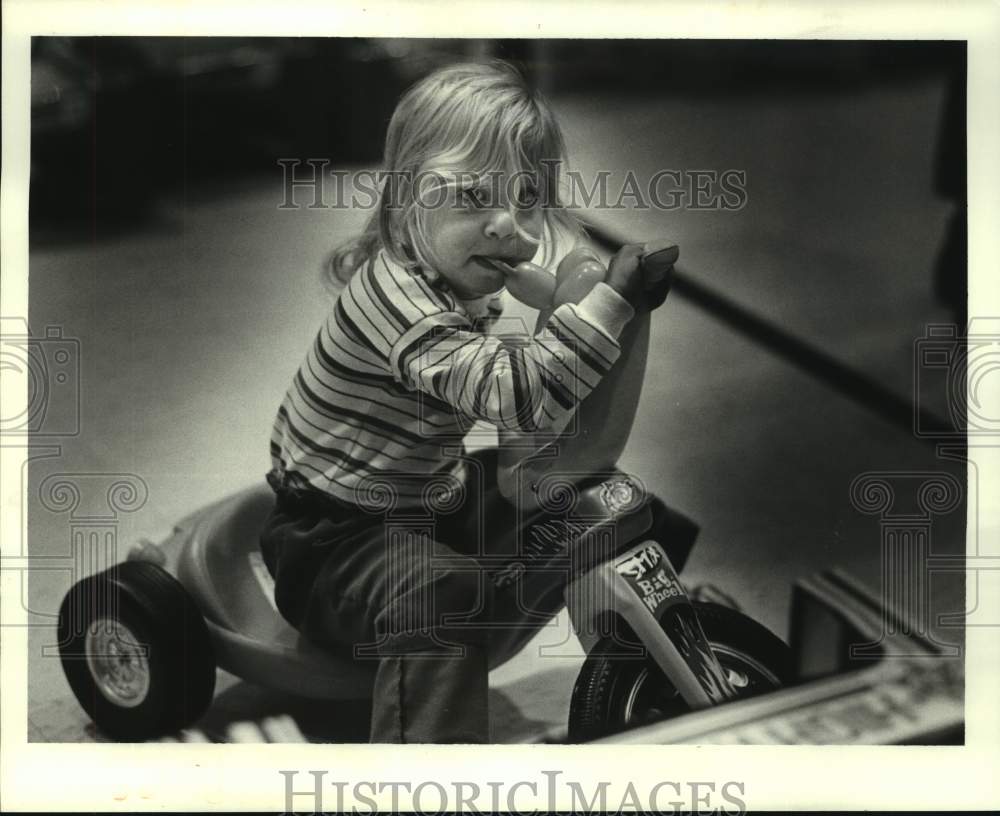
[[500, 224]]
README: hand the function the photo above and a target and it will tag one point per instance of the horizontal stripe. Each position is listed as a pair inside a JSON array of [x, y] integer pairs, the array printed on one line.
[[589, 355], [359, 403], [351, 436], [335, 411], [398, 369]]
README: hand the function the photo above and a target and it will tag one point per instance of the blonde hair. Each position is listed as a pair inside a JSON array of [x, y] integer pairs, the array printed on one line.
[[482, 117]]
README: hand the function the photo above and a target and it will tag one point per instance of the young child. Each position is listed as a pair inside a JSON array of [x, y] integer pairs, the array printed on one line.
[[367, 442]]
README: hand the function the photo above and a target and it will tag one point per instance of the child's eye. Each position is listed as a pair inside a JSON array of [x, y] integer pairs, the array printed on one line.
[[527, 196], [473, 197]]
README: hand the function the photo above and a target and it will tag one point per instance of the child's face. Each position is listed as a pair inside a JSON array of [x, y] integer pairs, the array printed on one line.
[[476, 223]]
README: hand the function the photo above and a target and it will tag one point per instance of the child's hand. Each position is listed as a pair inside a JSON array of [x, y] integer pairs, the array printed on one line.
[[644, 287]]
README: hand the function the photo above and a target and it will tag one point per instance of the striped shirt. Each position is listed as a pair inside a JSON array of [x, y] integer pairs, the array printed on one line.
[[400, 371]]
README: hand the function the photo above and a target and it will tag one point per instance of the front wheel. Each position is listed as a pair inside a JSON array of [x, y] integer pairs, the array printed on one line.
[[614, 693]]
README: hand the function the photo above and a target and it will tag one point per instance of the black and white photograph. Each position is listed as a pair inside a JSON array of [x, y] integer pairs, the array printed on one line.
[[589, 393]]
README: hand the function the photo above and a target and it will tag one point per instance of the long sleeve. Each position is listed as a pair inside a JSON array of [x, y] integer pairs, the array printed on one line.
[[400, 365], [517, 383]]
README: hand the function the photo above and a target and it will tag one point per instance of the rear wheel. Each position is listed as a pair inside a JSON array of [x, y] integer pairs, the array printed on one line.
[[614, 693], [136, 651]]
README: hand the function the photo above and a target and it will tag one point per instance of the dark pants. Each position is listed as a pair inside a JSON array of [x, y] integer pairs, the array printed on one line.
[[419, 597]]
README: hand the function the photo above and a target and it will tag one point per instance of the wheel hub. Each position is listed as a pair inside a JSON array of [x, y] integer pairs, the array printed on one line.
[[117, 662], [737, 679], [649, 700]]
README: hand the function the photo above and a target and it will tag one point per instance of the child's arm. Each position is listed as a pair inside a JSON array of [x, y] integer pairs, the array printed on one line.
[[641, 274], [523, 384]]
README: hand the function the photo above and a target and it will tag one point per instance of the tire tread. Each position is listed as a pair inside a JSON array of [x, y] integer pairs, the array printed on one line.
[[154, 602]]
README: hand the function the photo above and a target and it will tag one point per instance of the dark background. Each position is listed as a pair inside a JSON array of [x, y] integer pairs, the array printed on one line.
[[179, 111]]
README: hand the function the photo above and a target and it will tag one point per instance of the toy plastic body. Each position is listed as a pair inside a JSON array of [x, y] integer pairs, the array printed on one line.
[[140, 642], [215, 554]]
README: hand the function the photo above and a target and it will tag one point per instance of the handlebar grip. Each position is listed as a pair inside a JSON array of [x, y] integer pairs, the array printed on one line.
[[657, 259]]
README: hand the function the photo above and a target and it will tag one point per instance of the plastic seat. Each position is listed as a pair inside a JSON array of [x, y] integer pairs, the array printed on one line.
[[220, 565]]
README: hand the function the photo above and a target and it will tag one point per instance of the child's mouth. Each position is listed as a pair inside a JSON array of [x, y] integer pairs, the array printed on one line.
[[496, 263]]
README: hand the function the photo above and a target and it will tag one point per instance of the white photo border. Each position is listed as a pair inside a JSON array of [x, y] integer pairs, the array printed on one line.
[[185, 777]]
